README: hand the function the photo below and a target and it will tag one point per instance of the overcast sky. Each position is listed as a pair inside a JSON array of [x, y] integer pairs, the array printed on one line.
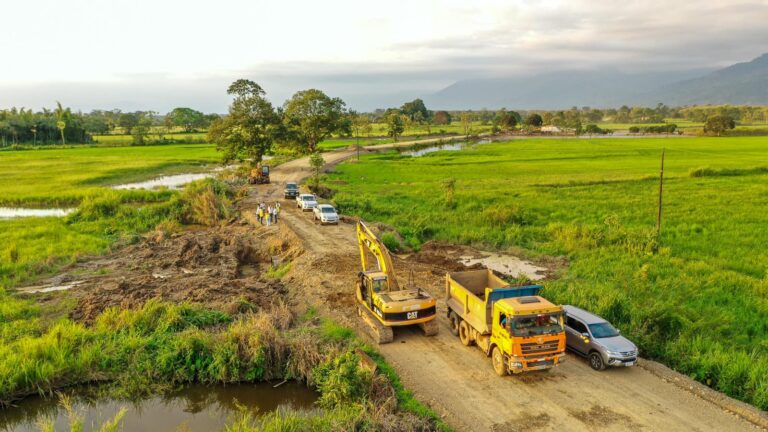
[[157, 54]]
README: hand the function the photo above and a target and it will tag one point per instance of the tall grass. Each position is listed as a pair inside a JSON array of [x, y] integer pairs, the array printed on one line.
[[162, 345], [695, 298]]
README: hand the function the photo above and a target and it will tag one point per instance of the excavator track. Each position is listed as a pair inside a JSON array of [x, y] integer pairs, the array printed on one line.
[[430, 328], [381, 334]]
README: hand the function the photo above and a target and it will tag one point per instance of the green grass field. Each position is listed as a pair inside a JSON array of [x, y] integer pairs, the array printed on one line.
[[66, 178], [128, 139], [39, 178], [697, 298]]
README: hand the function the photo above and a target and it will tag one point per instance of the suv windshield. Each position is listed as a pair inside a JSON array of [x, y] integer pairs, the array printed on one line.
[[327, 210], [307, 198], [603, 330], [537, 325], [291, 186]]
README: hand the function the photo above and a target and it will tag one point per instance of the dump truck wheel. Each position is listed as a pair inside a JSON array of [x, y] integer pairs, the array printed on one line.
[[596, 361], [465, 334], [430, 327], [498, 362], [454, 321]]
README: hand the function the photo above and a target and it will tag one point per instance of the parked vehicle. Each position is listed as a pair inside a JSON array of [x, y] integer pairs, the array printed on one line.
[[306, 202], [520, 330], [326, 214], [291, 190], [595, 338], [259, 175]]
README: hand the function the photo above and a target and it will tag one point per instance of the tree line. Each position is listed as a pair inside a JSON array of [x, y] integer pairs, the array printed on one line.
[[61, 125]]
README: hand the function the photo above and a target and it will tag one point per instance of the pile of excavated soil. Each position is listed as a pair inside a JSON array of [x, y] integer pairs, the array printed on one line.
[[443, 257], [223, 268]]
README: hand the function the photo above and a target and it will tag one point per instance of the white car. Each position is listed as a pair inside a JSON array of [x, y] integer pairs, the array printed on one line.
[[306, 202], [326, 214]]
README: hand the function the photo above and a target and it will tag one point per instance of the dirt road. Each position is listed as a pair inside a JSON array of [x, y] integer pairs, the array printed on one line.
[[459, 382]]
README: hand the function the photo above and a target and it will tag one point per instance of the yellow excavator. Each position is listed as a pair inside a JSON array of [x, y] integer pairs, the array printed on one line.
[[382, 303]]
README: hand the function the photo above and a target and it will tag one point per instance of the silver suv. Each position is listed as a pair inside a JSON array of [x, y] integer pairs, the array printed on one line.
[[595, 338]]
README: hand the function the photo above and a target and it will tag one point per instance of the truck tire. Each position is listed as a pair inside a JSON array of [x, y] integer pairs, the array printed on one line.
[[498, 362], [454, 321], [465, 334], [596, 361]]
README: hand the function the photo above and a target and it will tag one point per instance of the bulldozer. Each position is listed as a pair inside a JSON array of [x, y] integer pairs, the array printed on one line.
[[382, 302], [259, 175]]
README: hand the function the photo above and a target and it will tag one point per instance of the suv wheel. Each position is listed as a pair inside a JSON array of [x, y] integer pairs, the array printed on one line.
[[596, 361]]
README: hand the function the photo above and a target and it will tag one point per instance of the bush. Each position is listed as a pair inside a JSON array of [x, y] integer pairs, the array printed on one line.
[[391, 241], [341, 381]]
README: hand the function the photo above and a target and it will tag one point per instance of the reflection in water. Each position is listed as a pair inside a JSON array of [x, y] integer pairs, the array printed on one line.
[[196, 407], [12, 213]]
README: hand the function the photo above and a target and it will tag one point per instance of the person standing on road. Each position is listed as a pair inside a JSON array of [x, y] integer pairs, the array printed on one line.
[[269, 215], [277, 211], [259, 215]]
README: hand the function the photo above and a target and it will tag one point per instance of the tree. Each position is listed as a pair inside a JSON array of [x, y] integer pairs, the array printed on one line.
[[186, 118], [311, 116], [62, 115], [442, 118], [251, 126], [466, 123], [414, 107], [317, 162], [128, 121], [143, 125], [395, 125], [534, 120], [718, 124], [361, 124], [505, 121]]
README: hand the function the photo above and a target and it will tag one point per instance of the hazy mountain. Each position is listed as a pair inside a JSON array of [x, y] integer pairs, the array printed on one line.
[[736, 84], [742, 83]]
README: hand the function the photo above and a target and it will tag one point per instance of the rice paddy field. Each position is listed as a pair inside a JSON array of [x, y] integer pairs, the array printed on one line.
[[71, 177], [695, 297]]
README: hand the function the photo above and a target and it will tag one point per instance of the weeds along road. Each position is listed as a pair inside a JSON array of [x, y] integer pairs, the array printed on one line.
[[459, 382]]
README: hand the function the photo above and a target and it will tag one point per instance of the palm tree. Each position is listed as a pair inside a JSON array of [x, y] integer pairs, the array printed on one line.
[[61, 120]]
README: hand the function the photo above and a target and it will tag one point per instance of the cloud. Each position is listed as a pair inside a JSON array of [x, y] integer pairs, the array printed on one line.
[[147, 54]]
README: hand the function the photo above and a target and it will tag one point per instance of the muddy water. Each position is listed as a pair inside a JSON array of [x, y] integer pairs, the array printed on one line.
[[506, 264], [13, 213], [196, 408], [455, 146]]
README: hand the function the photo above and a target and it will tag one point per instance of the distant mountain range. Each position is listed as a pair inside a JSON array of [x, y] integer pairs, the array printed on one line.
[[741, 83]]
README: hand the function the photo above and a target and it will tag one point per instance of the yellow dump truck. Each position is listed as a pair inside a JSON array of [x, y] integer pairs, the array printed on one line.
[[519, 329]]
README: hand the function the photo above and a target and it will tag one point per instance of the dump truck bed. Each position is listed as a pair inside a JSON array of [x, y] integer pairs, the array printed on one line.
[[471, 294]]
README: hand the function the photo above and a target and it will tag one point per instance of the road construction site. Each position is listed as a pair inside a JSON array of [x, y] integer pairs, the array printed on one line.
[[218, 266]]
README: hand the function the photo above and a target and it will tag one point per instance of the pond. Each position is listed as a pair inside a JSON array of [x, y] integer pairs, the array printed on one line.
[[13, 213], [169, 181], [195, 408], [453, 146]]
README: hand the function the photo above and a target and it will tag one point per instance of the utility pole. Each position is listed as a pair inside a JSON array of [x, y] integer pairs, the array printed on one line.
[[661, 194], [358, 147]]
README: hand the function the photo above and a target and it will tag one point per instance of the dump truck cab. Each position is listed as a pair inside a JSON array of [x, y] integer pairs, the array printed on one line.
[[527, 330]]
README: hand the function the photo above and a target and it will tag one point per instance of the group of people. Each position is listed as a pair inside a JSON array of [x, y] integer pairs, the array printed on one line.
[[268, 214]]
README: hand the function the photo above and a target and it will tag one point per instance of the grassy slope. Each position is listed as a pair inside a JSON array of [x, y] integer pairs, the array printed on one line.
[[698, 301], [64, 178]]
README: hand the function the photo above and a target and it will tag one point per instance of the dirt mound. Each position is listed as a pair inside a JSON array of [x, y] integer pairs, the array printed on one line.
[[223, 269], [444, 257]]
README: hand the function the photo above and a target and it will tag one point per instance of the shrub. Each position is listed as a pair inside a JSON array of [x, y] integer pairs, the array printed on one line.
[[391, 241], [341, 381]]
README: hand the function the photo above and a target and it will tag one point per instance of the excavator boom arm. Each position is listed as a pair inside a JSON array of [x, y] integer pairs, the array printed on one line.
[[366, 239]]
